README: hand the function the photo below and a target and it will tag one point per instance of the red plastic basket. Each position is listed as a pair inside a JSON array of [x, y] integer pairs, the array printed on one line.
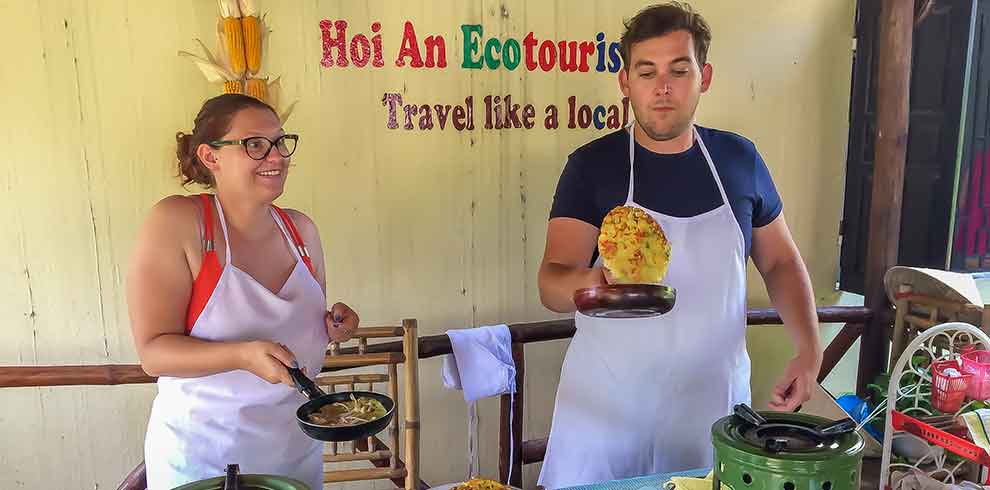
[[977, 363], [967, 348], [939, 437], [948, 393]]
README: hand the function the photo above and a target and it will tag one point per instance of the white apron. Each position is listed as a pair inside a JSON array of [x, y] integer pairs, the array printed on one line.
[[200, 425], [639, 396]]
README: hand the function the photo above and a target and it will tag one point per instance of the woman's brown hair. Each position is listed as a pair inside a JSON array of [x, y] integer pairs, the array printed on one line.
[[212, 122]]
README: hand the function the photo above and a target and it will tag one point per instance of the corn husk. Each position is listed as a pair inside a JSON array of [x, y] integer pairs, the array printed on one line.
[[213, 71], [229, 8], [247, 7], [276, 100]]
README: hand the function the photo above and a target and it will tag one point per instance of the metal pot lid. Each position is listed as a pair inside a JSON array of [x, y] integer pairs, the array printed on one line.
[[248, 482], [786, 437]]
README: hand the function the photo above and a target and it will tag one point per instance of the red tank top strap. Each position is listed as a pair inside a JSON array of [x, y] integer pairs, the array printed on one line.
[[210, 270], [296, 238], [207, 202]]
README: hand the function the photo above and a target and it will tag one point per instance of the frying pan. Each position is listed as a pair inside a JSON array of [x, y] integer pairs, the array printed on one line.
[[319, 399], [625, 300]]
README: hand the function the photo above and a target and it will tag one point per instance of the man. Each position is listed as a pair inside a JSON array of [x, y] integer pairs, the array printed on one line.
[[639, 396]]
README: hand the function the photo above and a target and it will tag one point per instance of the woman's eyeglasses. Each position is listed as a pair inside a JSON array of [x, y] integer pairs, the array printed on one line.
[[258, 147]]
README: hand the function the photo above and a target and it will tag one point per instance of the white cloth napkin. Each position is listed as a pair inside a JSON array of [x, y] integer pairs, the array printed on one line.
[[481, 366]]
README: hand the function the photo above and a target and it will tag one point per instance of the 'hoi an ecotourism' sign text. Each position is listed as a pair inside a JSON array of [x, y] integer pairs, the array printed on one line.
[[499, 112]]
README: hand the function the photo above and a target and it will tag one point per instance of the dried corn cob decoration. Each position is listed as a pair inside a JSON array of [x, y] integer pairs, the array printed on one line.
[[233, 87], [251, 25], [257, 88], [252, 43], [233, 35]]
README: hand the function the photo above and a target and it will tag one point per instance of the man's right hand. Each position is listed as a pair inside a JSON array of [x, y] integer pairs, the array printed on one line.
[[267, 360], [607, 274], [570, 245]]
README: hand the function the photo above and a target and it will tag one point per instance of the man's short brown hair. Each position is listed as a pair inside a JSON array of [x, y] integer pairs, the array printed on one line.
[[658, 20]]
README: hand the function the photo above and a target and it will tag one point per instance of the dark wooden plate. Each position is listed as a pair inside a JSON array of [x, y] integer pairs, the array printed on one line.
[[625, 300]]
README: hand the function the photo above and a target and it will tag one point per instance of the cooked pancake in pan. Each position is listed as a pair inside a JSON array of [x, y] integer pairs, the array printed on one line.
[[633, 247]]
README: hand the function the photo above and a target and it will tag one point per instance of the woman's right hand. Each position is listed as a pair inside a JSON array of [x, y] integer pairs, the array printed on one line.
[[267, 360]]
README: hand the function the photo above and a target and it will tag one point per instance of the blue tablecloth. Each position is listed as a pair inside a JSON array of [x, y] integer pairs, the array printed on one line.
[[650, 482]]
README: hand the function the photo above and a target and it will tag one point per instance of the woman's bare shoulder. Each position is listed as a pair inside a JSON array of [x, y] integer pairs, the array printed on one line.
[[305, 225], [177, 217]]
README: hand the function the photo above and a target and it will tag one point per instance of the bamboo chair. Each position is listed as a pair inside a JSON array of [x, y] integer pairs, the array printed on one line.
[[384, 457]]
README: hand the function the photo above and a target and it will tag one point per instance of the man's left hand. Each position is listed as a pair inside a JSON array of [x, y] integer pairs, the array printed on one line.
[[794, 387]]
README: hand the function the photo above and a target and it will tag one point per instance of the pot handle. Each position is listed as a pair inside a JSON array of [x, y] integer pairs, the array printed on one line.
[[230, 481], [838, 427], [305, 385], [746, 413]]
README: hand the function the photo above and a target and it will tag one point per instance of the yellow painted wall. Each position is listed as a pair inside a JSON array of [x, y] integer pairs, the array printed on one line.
[[444, 226]]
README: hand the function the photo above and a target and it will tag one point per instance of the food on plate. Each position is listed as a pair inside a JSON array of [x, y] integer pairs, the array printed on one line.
[[633, 247], [356, 411], [480, 484]]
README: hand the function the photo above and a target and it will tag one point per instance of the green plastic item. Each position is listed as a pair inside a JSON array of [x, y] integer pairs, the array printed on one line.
[[806, 463], [249, 482]]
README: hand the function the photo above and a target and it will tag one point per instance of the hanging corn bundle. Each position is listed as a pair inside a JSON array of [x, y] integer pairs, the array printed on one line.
[[240, 35], [252, 27], [232, 35]]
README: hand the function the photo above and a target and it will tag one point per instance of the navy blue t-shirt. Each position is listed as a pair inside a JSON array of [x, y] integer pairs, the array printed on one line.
[[596, 179]]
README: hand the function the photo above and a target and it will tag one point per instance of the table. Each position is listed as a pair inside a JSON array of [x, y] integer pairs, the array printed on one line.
[[650, 482]]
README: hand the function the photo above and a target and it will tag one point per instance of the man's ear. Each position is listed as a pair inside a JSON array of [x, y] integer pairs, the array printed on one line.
[[624, 81], [706, 77]]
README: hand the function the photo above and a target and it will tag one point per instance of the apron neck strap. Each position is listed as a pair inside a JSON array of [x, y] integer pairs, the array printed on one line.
[[632, 160], [704, 151]]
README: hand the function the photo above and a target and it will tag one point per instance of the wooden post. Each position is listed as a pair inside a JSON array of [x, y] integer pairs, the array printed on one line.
[[411, 382], [393, 426], [513, 435], [838, 347], [892, 101]]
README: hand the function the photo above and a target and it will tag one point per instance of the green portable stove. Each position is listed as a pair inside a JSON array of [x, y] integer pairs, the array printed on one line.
[[786, 451]]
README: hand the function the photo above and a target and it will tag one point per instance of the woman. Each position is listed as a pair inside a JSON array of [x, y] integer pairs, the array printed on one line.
[[222, 295]]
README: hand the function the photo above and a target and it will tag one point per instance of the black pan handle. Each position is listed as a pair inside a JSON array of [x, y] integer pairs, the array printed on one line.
[[746, 413], [305, 385], [838, 427], [230, 481]]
